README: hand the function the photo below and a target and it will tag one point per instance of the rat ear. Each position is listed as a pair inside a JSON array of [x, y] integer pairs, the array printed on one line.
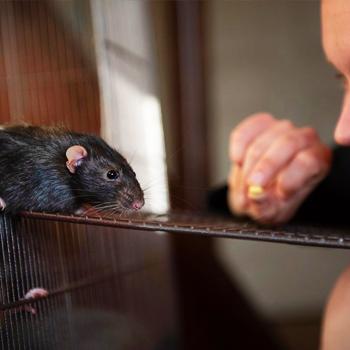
[[75, 154]]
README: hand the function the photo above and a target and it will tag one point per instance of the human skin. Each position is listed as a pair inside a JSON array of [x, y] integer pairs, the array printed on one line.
[[289, 177], [336, 44]]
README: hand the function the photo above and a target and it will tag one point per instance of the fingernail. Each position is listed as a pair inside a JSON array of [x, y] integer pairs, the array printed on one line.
[[257, 179]]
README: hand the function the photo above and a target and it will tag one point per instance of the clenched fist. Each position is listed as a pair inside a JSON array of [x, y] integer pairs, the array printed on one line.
[[275, 166]]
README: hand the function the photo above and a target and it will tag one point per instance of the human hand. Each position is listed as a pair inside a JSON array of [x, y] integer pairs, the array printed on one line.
[[280, 160]]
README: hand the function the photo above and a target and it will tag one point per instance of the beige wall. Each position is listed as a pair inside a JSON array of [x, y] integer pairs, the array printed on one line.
[[267, 56]]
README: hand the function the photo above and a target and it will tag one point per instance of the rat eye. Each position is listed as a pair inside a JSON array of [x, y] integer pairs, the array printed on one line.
[[112, 174]]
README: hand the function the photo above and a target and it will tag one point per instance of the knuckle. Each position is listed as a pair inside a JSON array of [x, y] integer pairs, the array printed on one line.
[[290, 141], [309, 131], [233, 135], [261, 117], [254, 151], [236, 137], [267, 163], [294, 140], [310, 134], [286, 186], [309, 162], [286, 123]]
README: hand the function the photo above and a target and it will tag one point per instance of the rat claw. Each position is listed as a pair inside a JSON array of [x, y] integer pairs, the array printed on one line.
[[2, 204], [30, 309]]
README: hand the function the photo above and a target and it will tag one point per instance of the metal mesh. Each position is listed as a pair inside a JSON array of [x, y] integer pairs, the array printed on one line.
[[108, 288], [108, 279], [216, 226]]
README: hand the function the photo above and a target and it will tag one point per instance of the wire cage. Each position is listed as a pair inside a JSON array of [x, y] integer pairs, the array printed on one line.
[[119, 282], [90, 274], [69, 284], [108, 282]]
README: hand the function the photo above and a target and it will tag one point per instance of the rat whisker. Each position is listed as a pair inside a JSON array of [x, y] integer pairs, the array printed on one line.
[[120, 214], [112, 207], [107, 206], [103, 204], [89, 210], [100, 207], [104, 208], [155, 182], [114, 211], [107, 213], [119, 211], [104, 212]]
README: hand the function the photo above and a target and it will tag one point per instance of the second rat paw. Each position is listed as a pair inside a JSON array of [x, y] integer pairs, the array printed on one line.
[[34, 294], [2, 204]]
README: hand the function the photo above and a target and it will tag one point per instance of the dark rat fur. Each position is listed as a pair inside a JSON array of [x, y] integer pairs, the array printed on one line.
[[34, 173]]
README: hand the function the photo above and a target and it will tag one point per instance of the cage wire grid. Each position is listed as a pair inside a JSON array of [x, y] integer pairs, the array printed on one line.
[[208, 224], [90, 274], [91, 266]]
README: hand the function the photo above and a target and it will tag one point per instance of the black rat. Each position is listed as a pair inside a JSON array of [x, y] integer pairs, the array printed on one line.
[[55, 170]]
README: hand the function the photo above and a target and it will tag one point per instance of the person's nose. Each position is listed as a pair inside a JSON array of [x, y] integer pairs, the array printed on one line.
[[342, 130]]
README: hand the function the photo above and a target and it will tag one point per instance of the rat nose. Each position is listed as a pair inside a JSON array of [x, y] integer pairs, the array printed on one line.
[[137, 204]]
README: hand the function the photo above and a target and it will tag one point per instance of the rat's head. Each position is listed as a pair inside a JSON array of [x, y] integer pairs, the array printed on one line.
[[103, 178]]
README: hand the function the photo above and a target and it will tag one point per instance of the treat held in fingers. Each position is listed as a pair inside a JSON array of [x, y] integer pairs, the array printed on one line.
[[256, 192]]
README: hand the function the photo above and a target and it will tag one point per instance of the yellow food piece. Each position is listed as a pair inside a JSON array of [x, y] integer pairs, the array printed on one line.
[[255, 191]]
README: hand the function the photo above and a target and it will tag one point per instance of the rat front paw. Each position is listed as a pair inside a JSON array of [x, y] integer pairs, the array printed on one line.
[[34, 294], [79, 211]]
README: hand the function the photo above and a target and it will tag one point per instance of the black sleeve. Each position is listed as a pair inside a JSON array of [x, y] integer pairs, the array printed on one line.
[[328, 203]]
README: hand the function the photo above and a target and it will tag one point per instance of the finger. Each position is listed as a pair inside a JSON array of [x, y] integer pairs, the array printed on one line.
[[309, 165], [262, 143], [279, 154], [264, 211], [277, 209], [246, 132], [274, 210], [236, 194]]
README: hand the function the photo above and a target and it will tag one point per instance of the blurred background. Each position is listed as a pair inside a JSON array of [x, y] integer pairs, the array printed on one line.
[[165, 83], [267, 56]]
